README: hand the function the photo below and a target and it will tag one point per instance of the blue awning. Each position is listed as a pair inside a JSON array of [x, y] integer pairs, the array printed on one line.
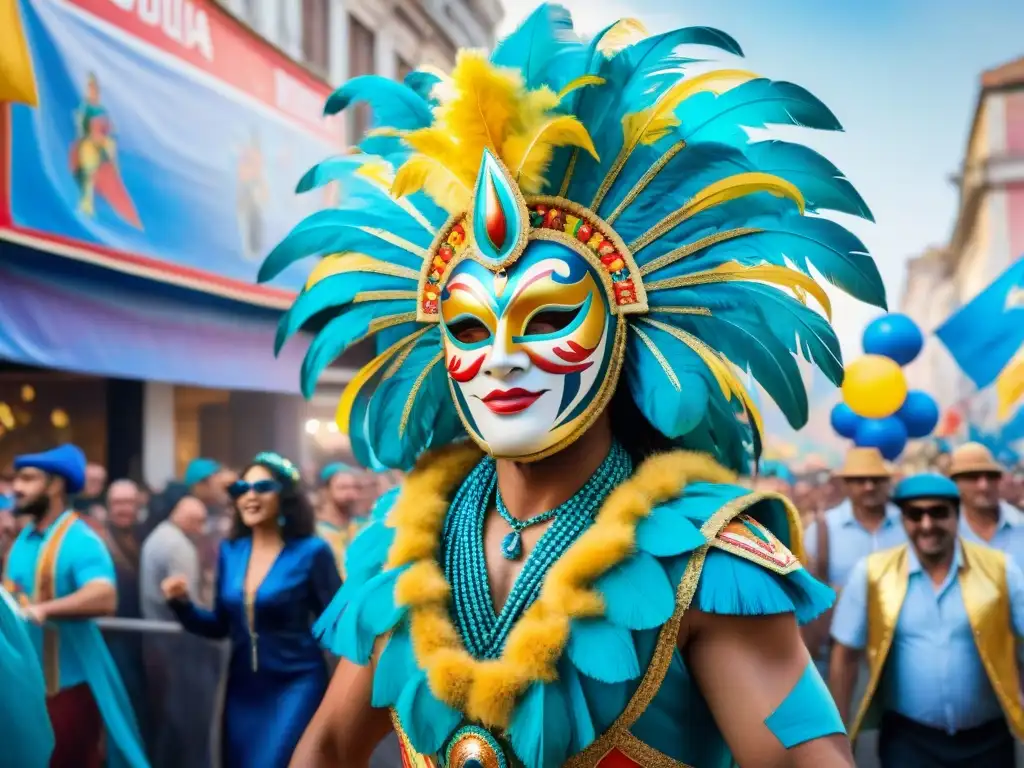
[[60, 313]]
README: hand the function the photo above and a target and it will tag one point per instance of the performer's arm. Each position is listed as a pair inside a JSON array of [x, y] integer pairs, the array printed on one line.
[[199, 621], [323, 577], [764, 692], [94, 579], [346, 728], [849, 631]]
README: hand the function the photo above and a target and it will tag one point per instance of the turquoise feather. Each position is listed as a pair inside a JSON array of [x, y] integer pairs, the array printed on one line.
[[392, 104], [336, 230], [377, 610], [400, 433], [426, 721], [423, 84], [583, 730], [350, 326], [394, 669], [822, 184], [732, 586], [334, 293], [535, 46], [754, 104], [603, 651], [637, 593], [541, 728], [667, 533]]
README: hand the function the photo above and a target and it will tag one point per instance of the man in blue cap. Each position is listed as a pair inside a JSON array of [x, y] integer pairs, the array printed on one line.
[[337, 522], [62, 575], [938, 618]]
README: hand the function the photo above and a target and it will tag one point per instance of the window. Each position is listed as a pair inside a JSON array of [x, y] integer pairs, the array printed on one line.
[[288, 39], [316, 34], [251, 13], [361, 56], [402, 68]]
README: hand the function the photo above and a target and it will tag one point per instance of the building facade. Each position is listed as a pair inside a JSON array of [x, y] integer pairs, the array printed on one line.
[[341, 39], [988, 236]]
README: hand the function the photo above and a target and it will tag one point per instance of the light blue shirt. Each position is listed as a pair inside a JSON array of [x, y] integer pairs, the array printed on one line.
[[83, 558], [934, 673], [849, 541], [1009, 533]]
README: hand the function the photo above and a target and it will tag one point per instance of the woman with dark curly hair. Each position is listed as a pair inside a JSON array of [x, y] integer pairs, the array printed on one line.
[[275, 576]]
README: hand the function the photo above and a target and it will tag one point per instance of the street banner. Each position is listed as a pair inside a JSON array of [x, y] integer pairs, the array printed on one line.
[[167, 142]]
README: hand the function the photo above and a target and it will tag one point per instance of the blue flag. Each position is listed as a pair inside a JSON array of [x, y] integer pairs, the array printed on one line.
[[984, 335]]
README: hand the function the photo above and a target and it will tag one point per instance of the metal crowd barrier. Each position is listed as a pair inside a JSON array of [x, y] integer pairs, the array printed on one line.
[[176, 683]]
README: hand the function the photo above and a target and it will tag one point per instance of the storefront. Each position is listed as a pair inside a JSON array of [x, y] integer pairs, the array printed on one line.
[[136, 202]]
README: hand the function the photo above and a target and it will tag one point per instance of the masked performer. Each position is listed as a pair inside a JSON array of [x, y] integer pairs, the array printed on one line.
[[581, 582]]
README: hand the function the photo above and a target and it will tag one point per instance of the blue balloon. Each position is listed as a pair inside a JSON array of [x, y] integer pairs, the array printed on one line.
[[888, 435], [894, 336], [919, 414], [845, 421]]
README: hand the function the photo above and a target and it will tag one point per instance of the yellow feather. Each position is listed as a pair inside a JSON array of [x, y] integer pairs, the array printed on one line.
[[529, 155], [797, 282], [351, 391], [341, 263], [622, 35], [730, 188], [378, 171], [580, 82], [483, 112], [421, 172]]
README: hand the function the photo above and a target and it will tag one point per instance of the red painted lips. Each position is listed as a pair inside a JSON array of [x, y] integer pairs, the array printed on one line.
[[507, 402]]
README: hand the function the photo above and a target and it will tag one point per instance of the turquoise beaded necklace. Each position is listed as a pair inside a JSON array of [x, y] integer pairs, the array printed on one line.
[[483, 630]]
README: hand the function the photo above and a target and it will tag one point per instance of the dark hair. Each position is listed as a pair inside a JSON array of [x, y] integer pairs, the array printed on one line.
[[633, 430], [299, 518]]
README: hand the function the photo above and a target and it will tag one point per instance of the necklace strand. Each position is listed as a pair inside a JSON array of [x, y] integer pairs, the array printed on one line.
[[484, 630]]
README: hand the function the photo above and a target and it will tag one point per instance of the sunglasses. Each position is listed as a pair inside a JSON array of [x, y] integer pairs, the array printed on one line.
[[240, 487], [938, 512]]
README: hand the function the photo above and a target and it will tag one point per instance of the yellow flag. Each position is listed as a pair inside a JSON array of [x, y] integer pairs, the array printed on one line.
[[17, 82], [1010, 387]]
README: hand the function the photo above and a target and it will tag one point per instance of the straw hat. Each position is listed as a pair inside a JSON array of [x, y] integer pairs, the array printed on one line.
[[973, 457], [863, 462]]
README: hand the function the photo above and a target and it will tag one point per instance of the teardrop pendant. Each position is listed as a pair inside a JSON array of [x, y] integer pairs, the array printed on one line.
[[512, 546]]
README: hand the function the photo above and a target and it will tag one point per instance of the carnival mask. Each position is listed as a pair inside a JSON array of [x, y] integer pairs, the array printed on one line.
[[527, 350], [529, 297]]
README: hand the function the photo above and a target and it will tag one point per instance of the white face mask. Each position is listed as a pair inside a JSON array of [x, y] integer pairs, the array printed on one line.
[[527, 352]]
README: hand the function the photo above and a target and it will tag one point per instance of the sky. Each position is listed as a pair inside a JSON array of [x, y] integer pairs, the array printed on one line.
[[902, 76]]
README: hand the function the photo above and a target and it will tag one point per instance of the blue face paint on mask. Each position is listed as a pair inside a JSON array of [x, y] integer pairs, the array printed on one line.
[[808, 712]]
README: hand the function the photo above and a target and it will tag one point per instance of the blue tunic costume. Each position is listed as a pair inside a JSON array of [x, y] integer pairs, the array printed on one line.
[[568, 238], [277, 673]]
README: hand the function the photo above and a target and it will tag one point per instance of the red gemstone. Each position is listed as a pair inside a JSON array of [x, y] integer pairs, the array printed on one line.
[[552, 217], [494, 217], [446, 252], [584, 233], [608, 258], [541, 209], [605, 247], [459, 228]]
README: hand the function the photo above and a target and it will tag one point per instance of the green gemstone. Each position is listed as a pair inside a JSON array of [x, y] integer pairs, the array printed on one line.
[[472, 762]]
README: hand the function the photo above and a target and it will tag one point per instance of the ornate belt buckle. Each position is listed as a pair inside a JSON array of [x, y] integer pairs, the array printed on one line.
[[474, 747]]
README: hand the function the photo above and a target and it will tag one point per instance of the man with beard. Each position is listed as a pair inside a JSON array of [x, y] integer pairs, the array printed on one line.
[[938, 618], [336, 522], [62, 575]]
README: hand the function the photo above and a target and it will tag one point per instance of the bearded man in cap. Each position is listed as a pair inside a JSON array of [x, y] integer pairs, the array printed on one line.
[[62, 575]]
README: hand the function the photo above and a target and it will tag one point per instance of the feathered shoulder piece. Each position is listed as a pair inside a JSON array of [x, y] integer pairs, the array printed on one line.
[[623, 150]]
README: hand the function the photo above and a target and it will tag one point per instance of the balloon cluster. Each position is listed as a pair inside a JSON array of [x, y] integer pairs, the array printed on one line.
[[877, 410]]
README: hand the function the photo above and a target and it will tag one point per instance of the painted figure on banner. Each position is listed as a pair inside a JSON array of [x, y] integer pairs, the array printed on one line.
[[252, 196], [94, 159], [567, 255]]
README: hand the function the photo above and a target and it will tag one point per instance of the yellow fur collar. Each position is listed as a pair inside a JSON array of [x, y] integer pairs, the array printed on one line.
[[486, 691]]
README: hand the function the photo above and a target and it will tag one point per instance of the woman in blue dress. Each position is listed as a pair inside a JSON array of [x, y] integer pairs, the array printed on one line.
[[275, 576]]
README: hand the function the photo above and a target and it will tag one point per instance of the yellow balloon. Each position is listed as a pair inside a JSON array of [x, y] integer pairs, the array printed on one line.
[[874, 387]]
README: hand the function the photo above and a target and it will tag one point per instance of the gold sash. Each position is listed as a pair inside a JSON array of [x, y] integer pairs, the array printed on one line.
[[982, 579]]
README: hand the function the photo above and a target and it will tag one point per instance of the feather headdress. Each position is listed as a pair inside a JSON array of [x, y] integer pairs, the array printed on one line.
[[707, 237]]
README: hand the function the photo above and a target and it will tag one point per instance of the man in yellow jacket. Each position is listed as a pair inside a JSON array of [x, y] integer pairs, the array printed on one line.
[[938, 619]]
